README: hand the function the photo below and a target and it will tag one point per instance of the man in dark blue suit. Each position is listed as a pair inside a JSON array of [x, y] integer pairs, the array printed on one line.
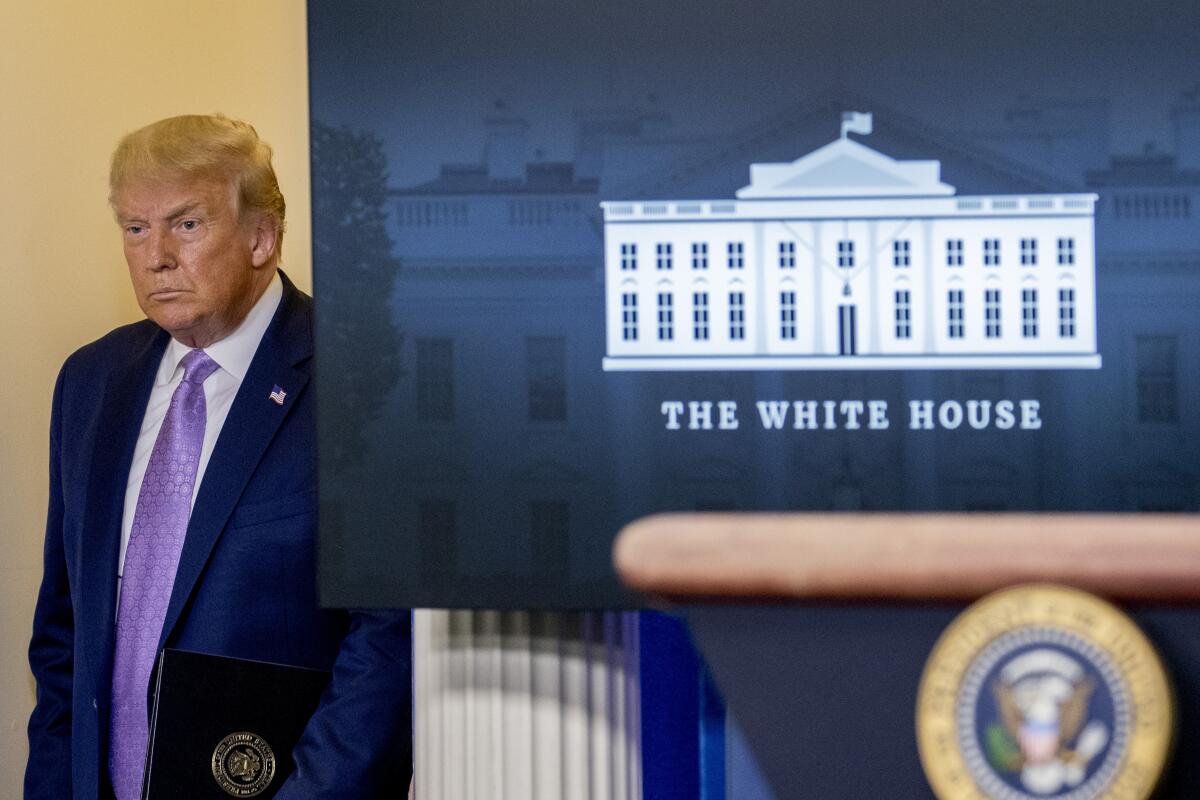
[[182, 490]]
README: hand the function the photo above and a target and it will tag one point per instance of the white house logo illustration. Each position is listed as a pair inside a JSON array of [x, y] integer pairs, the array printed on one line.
[[849, 259]]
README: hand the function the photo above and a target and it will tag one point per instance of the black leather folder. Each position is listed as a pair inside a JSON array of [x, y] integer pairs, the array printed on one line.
[[225, 727]]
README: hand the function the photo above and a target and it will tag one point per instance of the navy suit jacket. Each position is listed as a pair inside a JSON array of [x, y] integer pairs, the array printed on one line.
[[246, 582]]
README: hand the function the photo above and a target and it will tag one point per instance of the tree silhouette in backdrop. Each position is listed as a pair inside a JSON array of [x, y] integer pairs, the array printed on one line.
[[355, 273]]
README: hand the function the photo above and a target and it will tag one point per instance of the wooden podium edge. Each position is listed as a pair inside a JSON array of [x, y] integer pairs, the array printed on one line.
[[908, 557]]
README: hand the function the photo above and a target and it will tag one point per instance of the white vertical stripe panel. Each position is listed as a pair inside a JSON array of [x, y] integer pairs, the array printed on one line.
[[454, 707], [488, 732], [526, 706], [427, 693], [632, 730], [547, 709], [516, 708], [600, 699], [476, 692], [616, 703], [464, 644], [573, 661]]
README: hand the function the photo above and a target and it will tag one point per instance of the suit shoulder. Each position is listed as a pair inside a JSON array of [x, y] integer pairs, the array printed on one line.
[[113, 349], [294, 295], [304, 303]]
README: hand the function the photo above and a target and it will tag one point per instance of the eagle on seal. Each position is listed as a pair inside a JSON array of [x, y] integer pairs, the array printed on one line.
[[1042, 717], [244, 764]]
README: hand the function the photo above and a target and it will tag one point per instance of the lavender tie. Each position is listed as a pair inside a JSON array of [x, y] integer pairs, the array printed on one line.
[[151, 558]]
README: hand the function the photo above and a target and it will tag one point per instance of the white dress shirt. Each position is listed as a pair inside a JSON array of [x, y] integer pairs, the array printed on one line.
[[232, 355]]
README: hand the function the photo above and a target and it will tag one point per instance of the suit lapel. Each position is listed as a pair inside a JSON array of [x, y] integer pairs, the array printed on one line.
[[121, 410], [283, 359]]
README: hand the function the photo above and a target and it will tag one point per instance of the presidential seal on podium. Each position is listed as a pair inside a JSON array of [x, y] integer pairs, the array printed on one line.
[[1041, 691]]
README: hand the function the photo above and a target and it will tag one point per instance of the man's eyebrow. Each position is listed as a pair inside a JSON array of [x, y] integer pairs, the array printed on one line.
[[175, 213], [185, 208]]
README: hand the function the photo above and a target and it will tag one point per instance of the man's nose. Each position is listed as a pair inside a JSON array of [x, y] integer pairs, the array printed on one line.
[[162, 251]]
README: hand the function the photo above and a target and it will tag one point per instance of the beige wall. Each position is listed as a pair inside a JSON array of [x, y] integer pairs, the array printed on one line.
[[74, 76]]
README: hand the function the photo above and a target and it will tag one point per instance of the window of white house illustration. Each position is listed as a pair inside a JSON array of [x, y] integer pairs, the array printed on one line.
[[991, 252], [1029, 252], [736, 252], [629, 316], [1066, 252], [903, 314], [787, 315], [629, 256], [663, 253], [737, 316], [699, 255], [954, 252], [991, 313], [1029, 313], [700, 316], [666, 316], [846, 254], [1066, 313], [787, 255], [901, 253], [954, 313]]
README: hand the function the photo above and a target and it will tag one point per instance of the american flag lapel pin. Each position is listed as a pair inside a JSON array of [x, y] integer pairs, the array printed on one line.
[[278, 395]]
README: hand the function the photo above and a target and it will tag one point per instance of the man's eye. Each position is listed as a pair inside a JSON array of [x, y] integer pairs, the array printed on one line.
[[134, 229], [190, 224]]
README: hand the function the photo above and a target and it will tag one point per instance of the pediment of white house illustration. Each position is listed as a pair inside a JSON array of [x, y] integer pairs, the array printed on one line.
[[717, 168], [845, 168]]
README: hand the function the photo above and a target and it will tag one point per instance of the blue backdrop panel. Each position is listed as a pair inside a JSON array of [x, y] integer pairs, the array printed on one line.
[[563, 248], [671, 760]]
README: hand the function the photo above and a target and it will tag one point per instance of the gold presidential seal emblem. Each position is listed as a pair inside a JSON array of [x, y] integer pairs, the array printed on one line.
[[1042, 692], [243, 764]]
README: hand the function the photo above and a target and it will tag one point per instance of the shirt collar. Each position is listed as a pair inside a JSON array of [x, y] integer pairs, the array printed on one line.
[[235, 352]]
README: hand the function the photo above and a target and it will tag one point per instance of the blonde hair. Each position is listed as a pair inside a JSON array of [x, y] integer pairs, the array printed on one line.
[[196, 146]]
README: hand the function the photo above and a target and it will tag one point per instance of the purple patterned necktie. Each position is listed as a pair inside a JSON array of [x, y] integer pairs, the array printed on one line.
[[160, 521]]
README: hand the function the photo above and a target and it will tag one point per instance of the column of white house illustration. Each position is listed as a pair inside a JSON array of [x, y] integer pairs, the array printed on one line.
[[848, 259]]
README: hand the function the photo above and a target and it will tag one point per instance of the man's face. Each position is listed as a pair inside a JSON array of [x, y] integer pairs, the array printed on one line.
[[196, 268]]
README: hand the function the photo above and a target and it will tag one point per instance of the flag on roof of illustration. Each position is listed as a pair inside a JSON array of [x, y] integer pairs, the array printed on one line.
[[860, 122], [846, 168]]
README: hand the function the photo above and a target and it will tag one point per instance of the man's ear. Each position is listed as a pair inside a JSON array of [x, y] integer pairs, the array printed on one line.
[[264, 240]]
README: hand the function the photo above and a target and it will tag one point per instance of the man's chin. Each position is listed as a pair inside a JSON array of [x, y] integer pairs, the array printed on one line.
[[184, 327]]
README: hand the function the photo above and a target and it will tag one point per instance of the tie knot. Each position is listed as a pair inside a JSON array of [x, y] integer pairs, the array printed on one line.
[[197, 366]]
